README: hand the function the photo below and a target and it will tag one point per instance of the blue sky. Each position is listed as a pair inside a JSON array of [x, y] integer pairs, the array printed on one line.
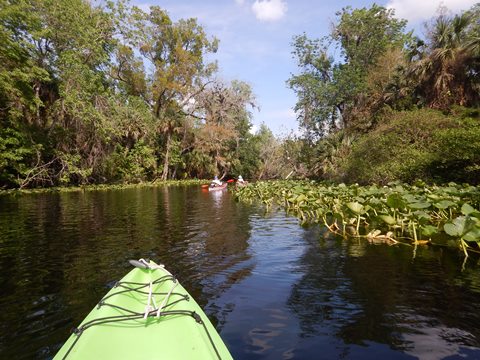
[[256, 35]]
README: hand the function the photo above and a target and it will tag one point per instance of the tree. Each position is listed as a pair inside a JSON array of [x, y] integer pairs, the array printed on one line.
[[176, 53], [20, 100], [270, 154], [331, 94], [226, 121], [102, 92], [318, 106], [448, 66], [55, 90]]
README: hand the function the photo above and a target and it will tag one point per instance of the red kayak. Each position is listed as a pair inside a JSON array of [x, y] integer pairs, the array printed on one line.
[[217, 187]]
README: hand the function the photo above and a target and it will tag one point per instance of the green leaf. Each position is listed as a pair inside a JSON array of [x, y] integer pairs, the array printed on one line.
[[301, 197], [453, 229], [472, 235], [356, 207], [422, 215], [419, 205], [395, 201], [409, 198], [444, 204], [429, 230], [460, 226], [467, 209], [390, 220]]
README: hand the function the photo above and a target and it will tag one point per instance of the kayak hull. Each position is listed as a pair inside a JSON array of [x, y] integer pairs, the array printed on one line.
[[218, 188], [117, 328]]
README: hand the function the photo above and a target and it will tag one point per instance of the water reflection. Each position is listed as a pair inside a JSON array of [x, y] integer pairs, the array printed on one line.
[[356, 294], [217, 197], [259, 324], [59, 253]]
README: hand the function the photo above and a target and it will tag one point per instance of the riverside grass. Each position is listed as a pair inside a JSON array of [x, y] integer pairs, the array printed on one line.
[[413, 214]]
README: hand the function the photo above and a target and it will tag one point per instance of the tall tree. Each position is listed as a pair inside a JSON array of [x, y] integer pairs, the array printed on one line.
[[447, 67], [224, 110], [176, 52], [55, 85], [101, 92], [330, 93]]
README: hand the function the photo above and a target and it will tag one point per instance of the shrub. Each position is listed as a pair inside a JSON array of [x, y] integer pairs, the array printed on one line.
[[130, 165], [422, 144]]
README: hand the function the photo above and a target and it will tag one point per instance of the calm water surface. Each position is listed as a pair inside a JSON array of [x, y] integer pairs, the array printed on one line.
[[273, 289]]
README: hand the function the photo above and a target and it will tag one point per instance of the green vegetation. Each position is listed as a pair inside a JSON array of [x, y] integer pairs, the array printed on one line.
[[394, 107], [93, 94], [105, 93], [103, 187], [421, 144], [391, 214]]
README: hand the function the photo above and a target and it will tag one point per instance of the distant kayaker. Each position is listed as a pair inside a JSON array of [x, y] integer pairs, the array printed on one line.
[[216, 182], [241, 182]]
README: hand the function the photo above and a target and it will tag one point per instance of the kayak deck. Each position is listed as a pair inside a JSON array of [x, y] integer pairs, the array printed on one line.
[[148, 314]]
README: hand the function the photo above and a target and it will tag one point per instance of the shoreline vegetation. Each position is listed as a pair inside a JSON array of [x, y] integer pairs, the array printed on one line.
[[414, 215], [104, 187], [108, 93], [393, 214]]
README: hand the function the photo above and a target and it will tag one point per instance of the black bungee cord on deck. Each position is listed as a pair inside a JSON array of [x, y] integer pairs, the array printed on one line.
[[133, 315]]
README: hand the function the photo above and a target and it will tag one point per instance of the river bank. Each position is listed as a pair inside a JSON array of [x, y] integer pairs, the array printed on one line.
[[103, 187]]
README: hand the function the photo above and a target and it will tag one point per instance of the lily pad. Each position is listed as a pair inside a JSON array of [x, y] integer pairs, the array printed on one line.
[[473, 235], [395, 201], [444, 204], [460, 226], [356, 207], [419, 205], [467, 209], [390, 220], [429, 230]]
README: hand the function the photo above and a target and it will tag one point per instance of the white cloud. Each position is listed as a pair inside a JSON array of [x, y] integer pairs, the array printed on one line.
[[415, 10], [269, 10], [240, 2]]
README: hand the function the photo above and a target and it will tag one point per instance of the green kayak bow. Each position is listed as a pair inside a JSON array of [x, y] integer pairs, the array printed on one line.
[[146, 315]]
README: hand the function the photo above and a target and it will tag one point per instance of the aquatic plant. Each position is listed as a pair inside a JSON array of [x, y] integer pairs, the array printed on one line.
[[394, 213]]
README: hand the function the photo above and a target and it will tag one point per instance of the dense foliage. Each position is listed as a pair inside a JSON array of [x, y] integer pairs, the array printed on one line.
[[394, 107], [396, 213], [112, 94], [103, 92], [421, 144]]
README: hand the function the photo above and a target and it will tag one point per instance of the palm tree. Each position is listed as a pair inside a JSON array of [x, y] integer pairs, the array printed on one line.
[[447, 71], [331, 152]]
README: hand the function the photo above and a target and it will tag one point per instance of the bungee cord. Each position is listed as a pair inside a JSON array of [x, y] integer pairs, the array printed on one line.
[[151, 309]]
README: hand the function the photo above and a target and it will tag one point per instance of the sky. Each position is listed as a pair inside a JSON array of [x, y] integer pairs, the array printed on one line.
[[256, 36]]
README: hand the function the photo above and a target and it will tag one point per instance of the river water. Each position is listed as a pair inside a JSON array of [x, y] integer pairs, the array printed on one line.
[[273, 289]]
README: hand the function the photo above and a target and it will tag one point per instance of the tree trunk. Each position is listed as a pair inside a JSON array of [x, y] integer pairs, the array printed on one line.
[[167, 159]]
